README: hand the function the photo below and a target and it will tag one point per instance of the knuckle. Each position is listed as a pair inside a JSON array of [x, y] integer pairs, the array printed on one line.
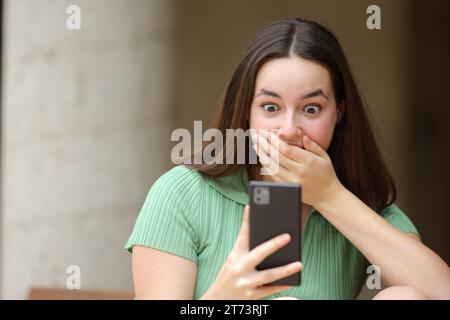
[[242, 283], [235, 270], [250, 294]]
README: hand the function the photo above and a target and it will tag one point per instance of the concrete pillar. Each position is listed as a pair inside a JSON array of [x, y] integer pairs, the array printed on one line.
[[85, 131]]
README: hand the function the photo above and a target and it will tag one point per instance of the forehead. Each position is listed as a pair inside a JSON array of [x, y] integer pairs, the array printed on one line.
[[284, 75]]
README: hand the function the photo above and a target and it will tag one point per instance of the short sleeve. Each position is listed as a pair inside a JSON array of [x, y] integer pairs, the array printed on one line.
[[399, 219], [166, 220]]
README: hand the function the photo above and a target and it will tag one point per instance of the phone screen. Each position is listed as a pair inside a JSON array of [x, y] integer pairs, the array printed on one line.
[[275, 208]]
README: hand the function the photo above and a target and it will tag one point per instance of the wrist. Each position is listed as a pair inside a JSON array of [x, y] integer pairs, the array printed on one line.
[[331, 198]]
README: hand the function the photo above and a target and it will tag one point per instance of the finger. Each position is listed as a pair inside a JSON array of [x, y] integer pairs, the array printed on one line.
[[265, 249], [265, 291], [259, 278], [273, 151], [314, 147], [272, 167], [290, 151], [242, 241]]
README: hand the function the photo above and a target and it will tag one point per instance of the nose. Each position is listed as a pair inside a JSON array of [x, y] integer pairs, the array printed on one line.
[[289, 131]]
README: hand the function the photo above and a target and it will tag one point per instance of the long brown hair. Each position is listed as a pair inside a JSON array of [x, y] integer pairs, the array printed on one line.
[[353, 150]]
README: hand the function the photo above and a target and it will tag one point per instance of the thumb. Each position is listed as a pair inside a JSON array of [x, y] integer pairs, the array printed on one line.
[[314, 147], [242, 241]]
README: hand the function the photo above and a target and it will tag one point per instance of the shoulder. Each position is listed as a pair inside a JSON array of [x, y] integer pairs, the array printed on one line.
[[179, 179], [169, 219], [181, 174], [173, 198], [179, 188], [180, 185]]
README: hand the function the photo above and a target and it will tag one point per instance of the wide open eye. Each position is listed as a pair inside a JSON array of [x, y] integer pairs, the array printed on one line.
[[312, 109], [270, 107]]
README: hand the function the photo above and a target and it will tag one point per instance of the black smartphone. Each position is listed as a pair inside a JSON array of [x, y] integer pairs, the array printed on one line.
[[275, 208]]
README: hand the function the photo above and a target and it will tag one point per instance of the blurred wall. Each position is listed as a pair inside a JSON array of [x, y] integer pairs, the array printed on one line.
[[85, 114], [428, 144]]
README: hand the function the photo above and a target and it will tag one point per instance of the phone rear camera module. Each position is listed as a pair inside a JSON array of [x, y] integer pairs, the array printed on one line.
[[261, 195]]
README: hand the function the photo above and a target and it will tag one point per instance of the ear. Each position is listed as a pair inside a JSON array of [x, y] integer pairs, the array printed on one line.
[[340, 110]]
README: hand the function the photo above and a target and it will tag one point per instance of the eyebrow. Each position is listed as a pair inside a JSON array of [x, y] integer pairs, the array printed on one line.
[[311, 94]]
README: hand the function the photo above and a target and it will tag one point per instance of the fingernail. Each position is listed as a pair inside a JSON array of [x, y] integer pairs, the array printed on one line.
[[285, 237]]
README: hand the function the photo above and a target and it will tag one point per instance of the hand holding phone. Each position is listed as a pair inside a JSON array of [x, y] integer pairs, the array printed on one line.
[[239, 280]]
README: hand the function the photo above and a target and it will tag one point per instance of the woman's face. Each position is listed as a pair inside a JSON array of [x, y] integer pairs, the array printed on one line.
[[294, 97]]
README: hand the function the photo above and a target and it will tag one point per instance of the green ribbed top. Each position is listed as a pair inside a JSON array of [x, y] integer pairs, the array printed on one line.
[[198, 218]]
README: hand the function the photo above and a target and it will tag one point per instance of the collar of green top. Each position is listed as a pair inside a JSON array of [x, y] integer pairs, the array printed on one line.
[[233, 186]]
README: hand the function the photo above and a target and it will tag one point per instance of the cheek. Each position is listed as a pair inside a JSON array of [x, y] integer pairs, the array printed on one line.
[[321, 131], [258, 120]]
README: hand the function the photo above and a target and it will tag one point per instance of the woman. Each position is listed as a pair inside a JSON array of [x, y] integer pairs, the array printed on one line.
[[190, 240]]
